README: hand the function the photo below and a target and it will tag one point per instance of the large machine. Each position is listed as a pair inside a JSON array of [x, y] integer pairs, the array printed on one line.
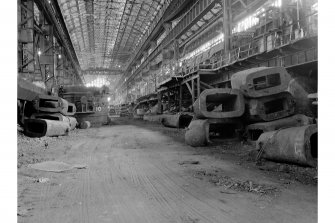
[[91, 103]]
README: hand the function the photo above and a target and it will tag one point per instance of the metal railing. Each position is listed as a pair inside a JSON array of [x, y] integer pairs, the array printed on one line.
[[269, 41], [153, 24], [265, 43], [198, 9]]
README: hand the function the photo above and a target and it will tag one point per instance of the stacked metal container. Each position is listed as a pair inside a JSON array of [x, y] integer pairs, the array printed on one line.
[[53, 117], [259, 99]]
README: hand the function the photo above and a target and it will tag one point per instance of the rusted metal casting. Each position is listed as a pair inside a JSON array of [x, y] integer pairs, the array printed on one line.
[[270, 108], [177, 120], [44, 127], [219, 103], [84, 125], [297, 145], [261, 81], [203, 131], [253, 131], [57, 117]]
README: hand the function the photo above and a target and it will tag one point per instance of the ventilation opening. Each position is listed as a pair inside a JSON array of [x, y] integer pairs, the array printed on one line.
[[28, 109], [78, 106], [184, 121], [48, 104], [254, 134], [221, 131], [70, 109], [267, 81], [275, 105], [49, 117], [221, 102], [314, 145], [36, 127]]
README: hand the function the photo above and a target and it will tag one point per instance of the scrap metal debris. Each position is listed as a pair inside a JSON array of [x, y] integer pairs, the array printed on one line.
[[229, 183], [195, 162], [304, 175], [226, 192], [54, 166], [24, 212], [46, 144], [42, 180]]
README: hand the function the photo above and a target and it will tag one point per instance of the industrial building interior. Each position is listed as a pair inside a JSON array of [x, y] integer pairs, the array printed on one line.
[[167, 111]]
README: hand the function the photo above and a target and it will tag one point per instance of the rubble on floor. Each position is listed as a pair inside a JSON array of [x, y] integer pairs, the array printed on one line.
[[244, 153], [55, 166], [52, 117], [294, 145], [229, 183], [31, 150]]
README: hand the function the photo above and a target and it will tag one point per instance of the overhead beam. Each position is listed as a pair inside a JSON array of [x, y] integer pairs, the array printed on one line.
[[61, 32], [134, 24], [197, 11], [120, 34], [206, 85], [154, 29]]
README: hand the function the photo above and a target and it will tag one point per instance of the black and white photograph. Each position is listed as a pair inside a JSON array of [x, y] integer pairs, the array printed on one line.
[[166, 111]]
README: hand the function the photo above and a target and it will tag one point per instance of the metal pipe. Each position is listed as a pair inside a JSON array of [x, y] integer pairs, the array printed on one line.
[[293, 145], [44, 127]]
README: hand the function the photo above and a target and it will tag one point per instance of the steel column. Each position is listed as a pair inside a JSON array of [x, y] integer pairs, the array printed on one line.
[[227, 21], [198, 86], [26, 37], [180, 97], [189, 88], [192, 81]]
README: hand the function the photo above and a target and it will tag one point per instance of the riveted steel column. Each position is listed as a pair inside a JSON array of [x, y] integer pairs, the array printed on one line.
[[26, 38], [227, 21], [180, 96], [192, 81], [198, 86]]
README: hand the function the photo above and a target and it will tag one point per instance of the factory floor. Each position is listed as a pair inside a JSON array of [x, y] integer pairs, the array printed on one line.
[[137, 171]]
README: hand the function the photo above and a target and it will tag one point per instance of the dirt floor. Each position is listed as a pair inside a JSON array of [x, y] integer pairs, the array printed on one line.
[[138, 171]]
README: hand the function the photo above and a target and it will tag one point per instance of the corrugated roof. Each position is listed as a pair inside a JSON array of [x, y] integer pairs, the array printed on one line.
[[104, 33]]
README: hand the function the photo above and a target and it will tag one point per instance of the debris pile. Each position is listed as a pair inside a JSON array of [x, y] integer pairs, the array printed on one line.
[[179, 120], [155, 108], [52, 117], [294, 145], [228, 183], [55, 166], [286, 173], [260, 109]]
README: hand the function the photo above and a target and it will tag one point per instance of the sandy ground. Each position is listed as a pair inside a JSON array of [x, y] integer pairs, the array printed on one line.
[[143, 172]]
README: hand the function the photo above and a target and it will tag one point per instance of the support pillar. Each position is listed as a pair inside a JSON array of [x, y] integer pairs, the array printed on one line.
[[60, 69], [198, 86], [192, 84], [26, 38], [159, 103], [180, 97], [176, 55], [227, 21], [169, 99]]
